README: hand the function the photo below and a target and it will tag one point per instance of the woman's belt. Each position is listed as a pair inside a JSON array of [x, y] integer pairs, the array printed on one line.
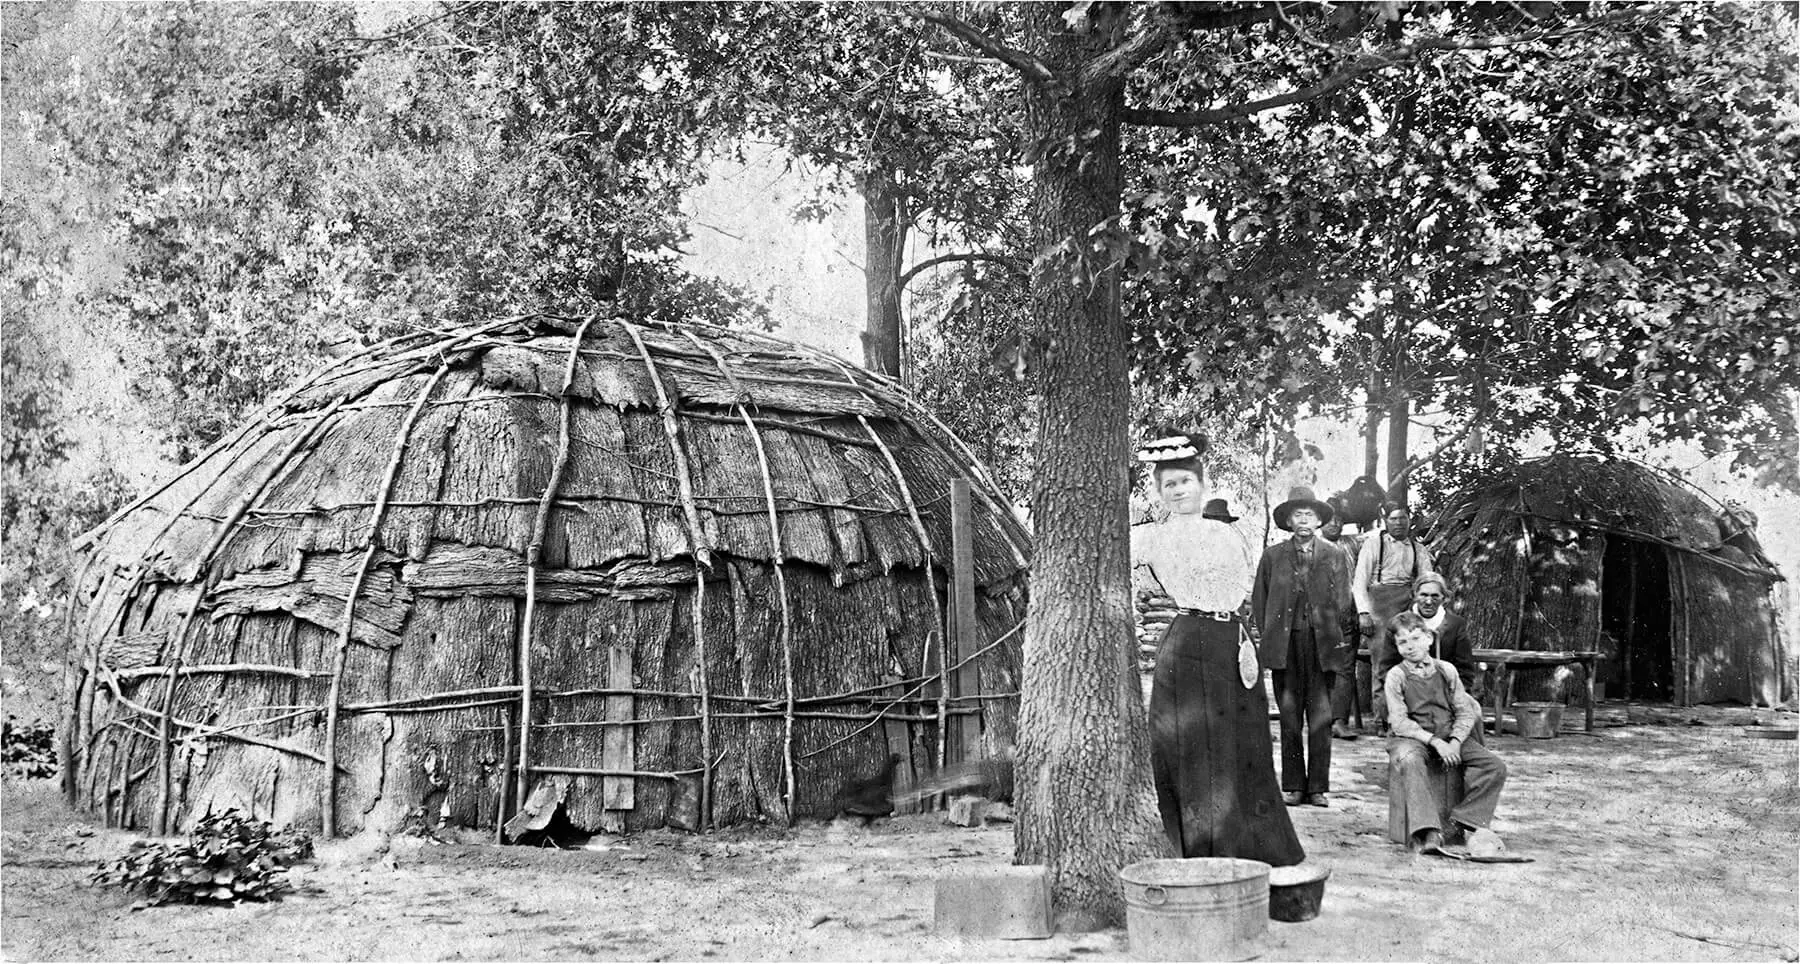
[[1223, 617]]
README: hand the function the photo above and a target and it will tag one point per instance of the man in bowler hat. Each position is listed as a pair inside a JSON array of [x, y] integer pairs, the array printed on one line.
[[1301, 600]]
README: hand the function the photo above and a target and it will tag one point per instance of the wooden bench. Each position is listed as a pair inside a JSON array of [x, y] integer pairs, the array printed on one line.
[[1503, 661]]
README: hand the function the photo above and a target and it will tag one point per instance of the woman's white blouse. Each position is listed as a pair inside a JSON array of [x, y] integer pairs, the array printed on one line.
[[1200, 563]]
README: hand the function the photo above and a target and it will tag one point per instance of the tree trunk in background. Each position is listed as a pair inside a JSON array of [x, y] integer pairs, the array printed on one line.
[[1375, 394], [1372, 427], [884, 233], [1399, 416], [1085, 803], [1399, 407]]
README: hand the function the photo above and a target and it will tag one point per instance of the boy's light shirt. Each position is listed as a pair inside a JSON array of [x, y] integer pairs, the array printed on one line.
[[1403, 725]]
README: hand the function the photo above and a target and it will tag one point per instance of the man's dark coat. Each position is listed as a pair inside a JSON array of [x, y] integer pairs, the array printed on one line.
[[1328, 593], [1453, 646]]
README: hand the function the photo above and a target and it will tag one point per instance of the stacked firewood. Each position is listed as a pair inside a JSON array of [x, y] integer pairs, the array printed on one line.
[[1155, 612]]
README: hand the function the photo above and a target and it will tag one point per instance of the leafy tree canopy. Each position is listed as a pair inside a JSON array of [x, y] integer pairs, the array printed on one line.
[[1579, 234], [280, 188]]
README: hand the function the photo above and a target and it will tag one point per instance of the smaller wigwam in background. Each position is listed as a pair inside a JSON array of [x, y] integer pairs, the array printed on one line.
[[1578, 553]]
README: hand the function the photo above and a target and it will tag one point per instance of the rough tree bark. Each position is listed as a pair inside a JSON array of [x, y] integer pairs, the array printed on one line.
[[1085, 802], [884, 232], [1372, 424], [1399, 419], [1399, 414]]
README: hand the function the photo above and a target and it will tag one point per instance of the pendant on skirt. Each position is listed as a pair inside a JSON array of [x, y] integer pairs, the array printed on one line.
[[1248, 671]]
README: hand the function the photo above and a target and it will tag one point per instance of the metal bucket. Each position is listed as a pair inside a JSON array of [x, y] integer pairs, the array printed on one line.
[[1296, 893], [1198, 909], [1538, 721]]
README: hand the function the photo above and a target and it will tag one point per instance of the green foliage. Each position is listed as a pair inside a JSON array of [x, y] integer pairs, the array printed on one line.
[[1434, 484], [961, 372], [1578, 236], [42, 506], [279, 190], [27, 750], [227, 858]]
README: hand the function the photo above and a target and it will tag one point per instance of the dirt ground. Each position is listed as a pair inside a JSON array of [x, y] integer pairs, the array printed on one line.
[[1664, 835]]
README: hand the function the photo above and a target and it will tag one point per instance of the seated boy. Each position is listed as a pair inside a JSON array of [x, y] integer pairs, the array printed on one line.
[[1432, 717]]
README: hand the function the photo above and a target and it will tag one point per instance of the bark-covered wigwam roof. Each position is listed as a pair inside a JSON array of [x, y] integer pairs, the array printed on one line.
[[1581, 554], [1612, 496], [478, 456], [725, 531]]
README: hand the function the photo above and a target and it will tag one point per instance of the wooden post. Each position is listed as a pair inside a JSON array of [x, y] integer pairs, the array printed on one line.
[[1590, 664], [506, 770], [618, 750], [1631, 623], [899, 740], [1678, 590], [964, 641]]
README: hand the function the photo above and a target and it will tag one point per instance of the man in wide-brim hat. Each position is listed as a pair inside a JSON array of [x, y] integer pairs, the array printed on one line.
[[1301, 600], [1301, 497]]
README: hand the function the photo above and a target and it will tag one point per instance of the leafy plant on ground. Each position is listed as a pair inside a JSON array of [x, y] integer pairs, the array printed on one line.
[[228, 857], [29, 749]]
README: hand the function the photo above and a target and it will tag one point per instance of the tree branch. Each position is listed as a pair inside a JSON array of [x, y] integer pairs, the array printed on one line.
[[1300, 35], [1151, 117], [1032, 69], [1164, 22], [1013, 263], [1356, 70], [1414, 465], [961, 58], [407, 31], [1208, 16]]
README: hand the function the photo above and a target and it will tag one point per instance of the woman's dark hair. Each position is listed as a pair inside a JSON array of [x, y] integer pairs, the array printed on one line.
[[1193, 465]]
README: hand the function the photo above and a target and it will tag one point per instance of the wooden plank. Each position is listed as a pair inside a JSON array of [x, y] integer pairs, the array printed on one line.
[[619, 749], [965, 630], [899, 740], [1534, 657]]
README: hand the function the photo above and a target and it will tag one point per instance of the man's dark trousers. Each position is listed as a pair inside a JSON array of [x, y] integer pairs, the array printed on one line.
[[1303, 691]]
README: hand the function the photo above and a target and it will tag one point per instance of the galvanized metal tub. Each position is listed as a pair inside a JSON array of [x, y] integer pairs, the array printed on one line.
[[1196, 909]]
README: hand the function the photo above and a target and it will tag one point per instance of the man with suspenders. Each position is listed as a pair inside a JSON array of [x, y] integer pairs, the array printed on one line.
[[1386, 566]]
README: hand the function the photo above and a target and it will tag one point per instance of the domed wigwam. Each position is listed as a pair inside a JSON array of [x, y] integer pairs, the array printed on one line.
[[667, 575]]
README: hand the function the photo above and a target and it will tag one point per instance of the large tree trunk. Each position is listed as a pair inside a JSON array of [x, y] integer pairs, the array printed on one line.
[[1085, 803], [884, 230]]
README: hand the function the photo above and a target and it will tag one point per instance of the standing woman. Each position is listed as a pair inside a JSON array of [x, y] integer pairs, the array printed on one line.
[[1210, 753]]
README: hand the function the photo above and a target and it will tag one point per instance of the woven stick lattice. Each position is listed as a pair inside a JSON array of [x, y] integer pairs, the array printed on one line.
[[776, 554], [166, 732], [702, 556], [328, 802], [310, 577]]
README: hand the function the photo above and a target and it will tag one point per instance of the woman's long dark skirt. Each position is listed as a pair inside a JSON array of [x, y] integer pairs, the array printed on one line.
[[1210, 752]]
